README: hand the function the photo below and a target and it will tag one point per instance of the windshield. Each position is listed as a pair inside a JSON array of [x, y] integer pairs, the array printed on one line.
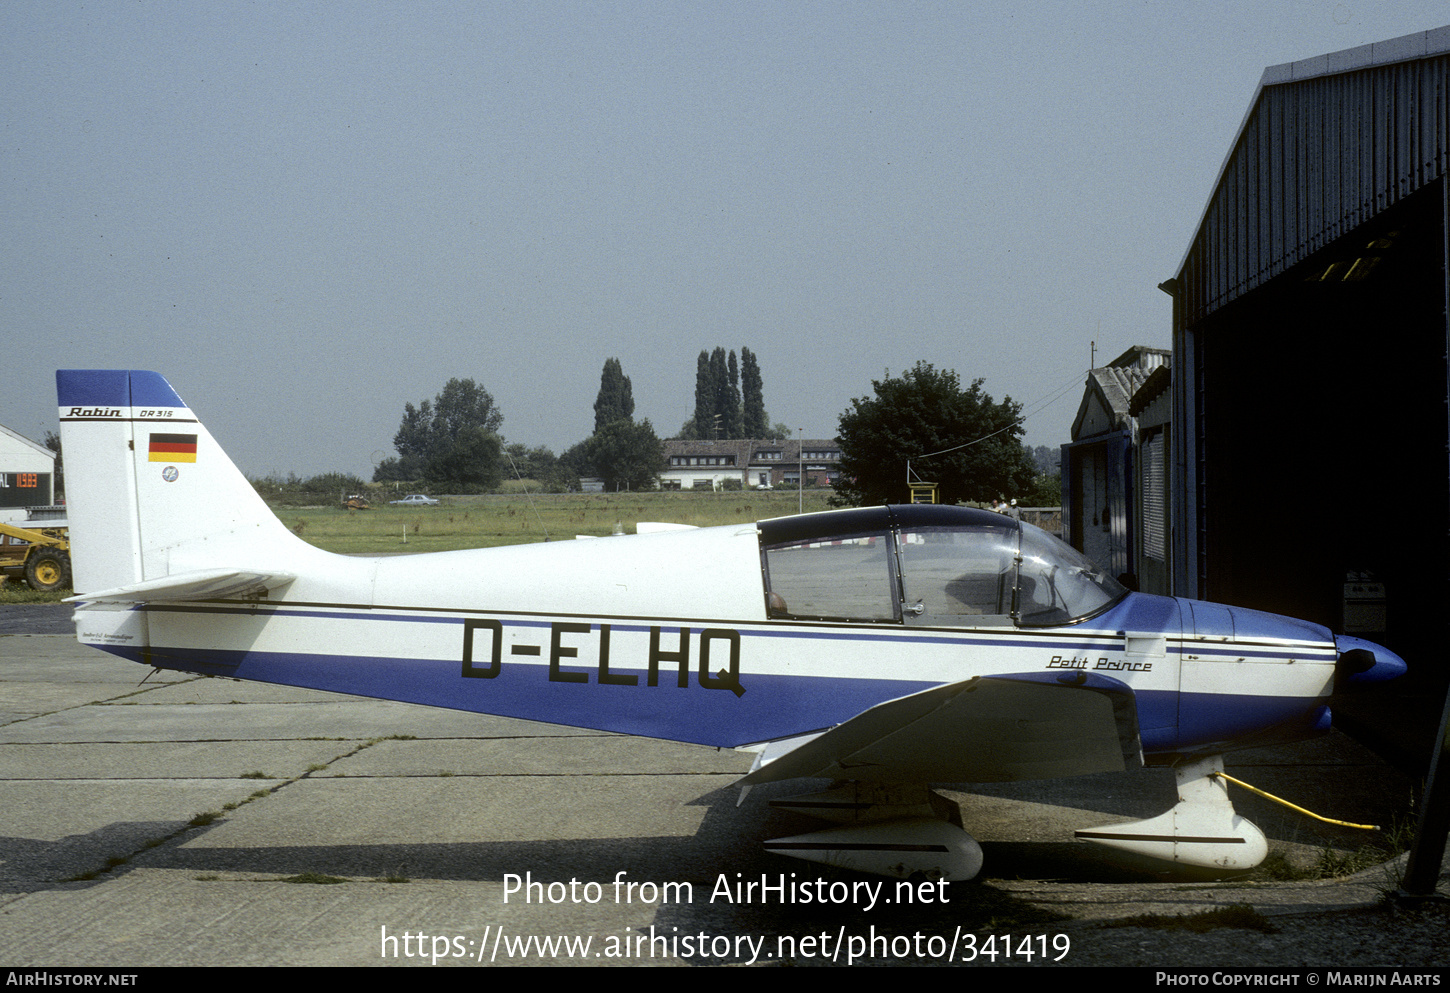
[[1056, 584]]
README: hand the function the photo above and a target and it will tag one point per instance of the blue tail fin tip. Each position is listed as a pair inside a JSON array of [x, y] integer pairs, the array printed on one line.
[[114, 388]]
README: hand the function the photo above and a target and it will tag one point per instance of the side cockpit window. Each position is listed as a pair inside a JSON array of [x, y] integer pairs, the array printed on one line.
[[848, 578], [957, 576]]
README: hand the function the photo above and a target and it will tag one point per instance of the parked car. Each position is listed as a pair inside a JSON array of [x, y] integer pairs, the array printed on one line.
[[415, 500]]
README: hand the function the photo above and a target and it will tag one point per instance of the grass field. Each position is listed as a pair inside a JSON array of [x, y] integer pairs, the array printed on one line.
[[514, 519], [14, 591]]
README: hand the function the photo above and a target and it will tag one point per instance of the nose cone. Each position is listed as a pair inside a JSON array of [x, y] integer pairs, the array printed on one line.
[[1363, 661]]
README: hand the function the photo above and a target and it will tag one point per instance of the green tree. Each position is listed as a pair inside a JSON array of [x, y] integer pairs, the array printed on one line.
[[469, 460], [52, 442], [1047, 486], [1047, 458], [755, 422], [721, 410], [963, 440], [734, 422], [704, 419], [451, 441], [293, 491], [540, 465], [1046, 491], [575, 462], [719, 424], [413, 443], [394, 470], [627, 455], [616, 397], [463, 404]]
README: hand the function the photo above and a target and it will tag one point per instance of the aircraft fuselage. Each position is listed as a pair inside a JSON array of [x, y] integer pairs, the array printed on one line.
[[715, 669]]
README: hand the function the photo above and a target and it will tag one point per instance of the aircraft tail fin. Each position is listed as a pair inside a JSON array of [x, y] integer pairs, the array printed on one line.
[[149, 492]]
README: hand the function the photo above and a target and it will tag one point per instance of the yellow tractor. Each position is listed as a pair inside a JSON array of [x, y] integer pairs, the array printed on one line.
[[41, 556]]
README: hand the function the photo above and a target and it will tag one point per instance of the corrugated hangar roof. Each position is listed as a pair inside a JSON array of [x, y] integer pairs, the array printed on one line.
[[1326, 144], [1119, 385], [1115, 383], [1153, 387]]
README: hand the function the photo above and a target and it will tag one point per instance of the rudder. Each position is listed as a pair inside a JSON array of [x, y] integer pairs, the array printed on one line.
[[149, 492]]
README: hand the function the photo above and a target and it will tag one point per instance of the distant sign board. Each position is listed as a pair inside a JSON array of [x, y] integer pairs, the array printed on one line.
[[25, 489]]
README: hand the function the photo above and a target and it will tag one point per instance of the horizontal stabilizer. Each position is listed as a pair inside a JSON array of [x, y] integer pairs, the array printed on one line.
[[987, 729], [203, 584]]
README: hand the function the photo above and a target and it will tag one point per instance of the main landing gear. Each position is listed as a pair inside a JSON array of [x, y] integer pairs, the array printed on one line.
[[910, 832]]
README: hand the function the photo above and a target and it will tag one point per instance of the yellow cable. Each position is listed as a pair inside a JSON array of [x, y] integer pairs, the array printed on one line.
[[1291, 806]]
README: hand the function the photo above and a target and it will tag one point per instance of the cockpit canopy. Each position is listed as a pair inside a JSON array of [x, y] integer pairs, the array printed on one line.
[[927, 565]]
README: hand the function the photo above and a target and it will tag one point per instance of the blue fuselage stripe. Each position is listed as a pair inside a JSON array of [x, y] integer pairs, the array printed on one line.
[[710, 709]]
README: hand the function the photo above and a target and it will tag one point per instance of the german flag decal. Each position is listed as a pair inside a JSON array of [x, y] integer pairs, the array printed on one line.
[[172, 448]]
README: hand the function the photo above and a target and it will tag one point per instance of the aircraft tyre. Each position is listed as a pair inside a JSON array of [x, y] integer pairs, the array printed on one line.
[[48, 569]]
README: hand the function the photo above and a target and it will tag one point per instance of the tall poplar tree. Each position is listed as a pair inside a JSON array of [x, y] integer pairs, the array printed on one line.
[[732, 418], [719, 424], [704, 397], [755, 422], [616, 396], [722, 411]]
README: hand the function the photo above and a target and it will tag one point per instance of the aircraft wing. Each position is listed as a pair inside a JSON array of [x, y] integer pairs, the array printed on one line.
[[985, 729], [202, 584]]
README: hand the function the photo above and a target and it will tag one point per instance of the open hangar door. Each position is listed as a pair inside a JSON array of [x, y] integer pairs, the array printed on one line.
[[1321, 428]]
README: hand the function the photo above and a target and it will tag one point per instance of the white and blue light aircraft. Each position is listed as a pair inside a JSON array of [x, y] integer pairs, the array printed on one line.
[[885, 648]]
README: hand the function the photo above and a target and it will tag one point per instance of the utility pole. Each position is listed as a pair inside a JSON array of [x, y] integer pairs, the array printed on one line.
[[800, 476]]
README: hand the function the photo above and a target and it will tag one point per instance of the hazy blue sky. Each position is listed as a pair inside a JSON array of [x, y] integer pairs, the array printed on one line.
[[306, 214]]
